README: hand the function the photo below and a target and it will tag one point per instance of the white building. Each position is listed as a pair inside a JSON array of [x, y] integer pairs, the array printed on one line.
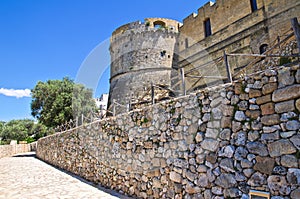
[[101, 103]]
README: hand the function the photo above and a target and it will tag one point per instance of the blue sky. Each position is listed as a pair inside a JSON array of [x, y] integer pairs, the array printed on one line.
[[51, 39]]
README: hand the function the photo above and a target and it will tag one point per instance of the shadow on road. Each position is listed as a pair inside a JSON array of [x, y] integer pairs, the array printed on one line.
[[27, 155]]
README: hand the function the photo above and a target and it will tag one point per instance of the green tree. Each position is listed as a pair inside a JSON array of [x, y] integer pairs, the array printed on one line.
[[39, 130], [16, 130], [57, 101]]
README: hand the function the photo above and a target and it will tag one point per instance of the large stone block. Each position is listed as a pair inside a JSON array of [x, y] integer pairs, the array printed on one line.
[[269, 88], [264, 165], [281, 147], [270, 119], [210, 144], [286, 106], [286, 93], [267, 109], [226, 181]]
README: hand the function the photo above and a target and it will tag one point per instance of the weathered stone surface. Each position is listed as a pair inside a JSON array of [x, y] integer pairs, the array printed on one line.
[[226, 181], [257, 180], [285, 78], [234, 99], [286, 106], [293, 176], [298, 104], [253, 136], [287, 93], [270, 119], [240, 153], [191, 189], [225, 134], [181, 163], [264, 165], [210, 144], [217, 101], [253, 107], [287, 116], [287, 134], [199, 137], [257, 148], [202, 180], [296, 141], [216, 113], [281, 147], [298, 78], [240, 138], [227, 151], [280, 170], [175, 177], [253, 114], [263, 99], [278, 184], [254, 93], [207, 194], [226, 122], [270, 136], [289, 161], [243, 105], [267, 109], [227, 165], [246, 163], [232, 193], [239, 116], [212, 133], [190, 176], [217, 190], [270, 129], [269, 88], [270, 72], [293, 125], [296, 193], [236, 126]]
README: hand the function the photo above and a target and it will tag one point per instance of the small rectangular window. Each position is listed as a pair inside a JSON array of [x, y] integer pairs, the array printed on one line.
[[207, 27], [253, 5], [186, 43]]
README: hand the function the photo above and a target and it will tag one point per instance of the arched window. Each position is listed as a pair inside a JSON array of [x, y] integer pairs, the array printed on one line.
[[159, 24], [207, 27], [253, 5], [263, 48]]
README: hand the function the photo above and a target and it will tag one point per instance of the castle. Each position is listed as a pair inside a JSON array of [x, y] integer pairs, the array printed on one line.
[[153, 52]]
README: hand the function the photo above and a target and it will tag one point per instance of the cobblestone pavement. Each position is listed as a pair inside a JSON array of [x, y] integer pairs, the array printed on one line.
[[26, 177]]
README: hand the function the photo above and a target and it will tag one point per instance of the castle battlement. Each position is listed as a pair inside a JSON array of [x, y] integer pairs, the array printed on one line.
[[145, 52], [149, 25]]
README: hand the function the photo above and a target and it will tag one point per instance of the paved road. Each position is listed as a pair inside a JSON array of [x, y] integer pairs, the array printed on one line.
[[25, 177]]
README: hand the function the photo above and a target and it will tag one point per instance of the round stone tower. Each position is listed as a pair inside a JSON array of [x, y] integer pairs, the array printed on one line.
[[141, 55]]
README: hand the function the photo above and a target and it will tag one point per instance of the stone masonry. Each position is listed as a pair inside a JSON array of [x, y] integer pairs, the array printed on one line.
[[10, 150], [217, 143]]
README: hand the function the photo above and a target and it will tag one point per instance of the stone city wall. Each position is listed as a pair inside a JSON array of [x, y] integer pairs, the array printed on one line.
[[11, 150], [219, 143]]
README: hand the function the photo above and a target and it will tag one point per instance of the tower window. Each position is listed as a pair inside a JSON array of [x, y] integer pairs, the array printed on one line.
[[159, 24], [186, 43], [263, 48], [253, 5], [207, 27]]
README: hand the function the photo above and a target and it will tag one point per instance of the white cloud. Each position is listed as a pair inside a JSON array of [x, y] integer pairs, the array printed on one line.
[[15, 93]]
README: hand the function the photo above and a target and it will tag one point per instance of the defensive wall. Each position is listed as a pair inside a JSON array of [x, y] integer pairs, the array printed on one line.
[[152, 51], [217, 143], [13, 149], [141, 54], [234, 26]]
